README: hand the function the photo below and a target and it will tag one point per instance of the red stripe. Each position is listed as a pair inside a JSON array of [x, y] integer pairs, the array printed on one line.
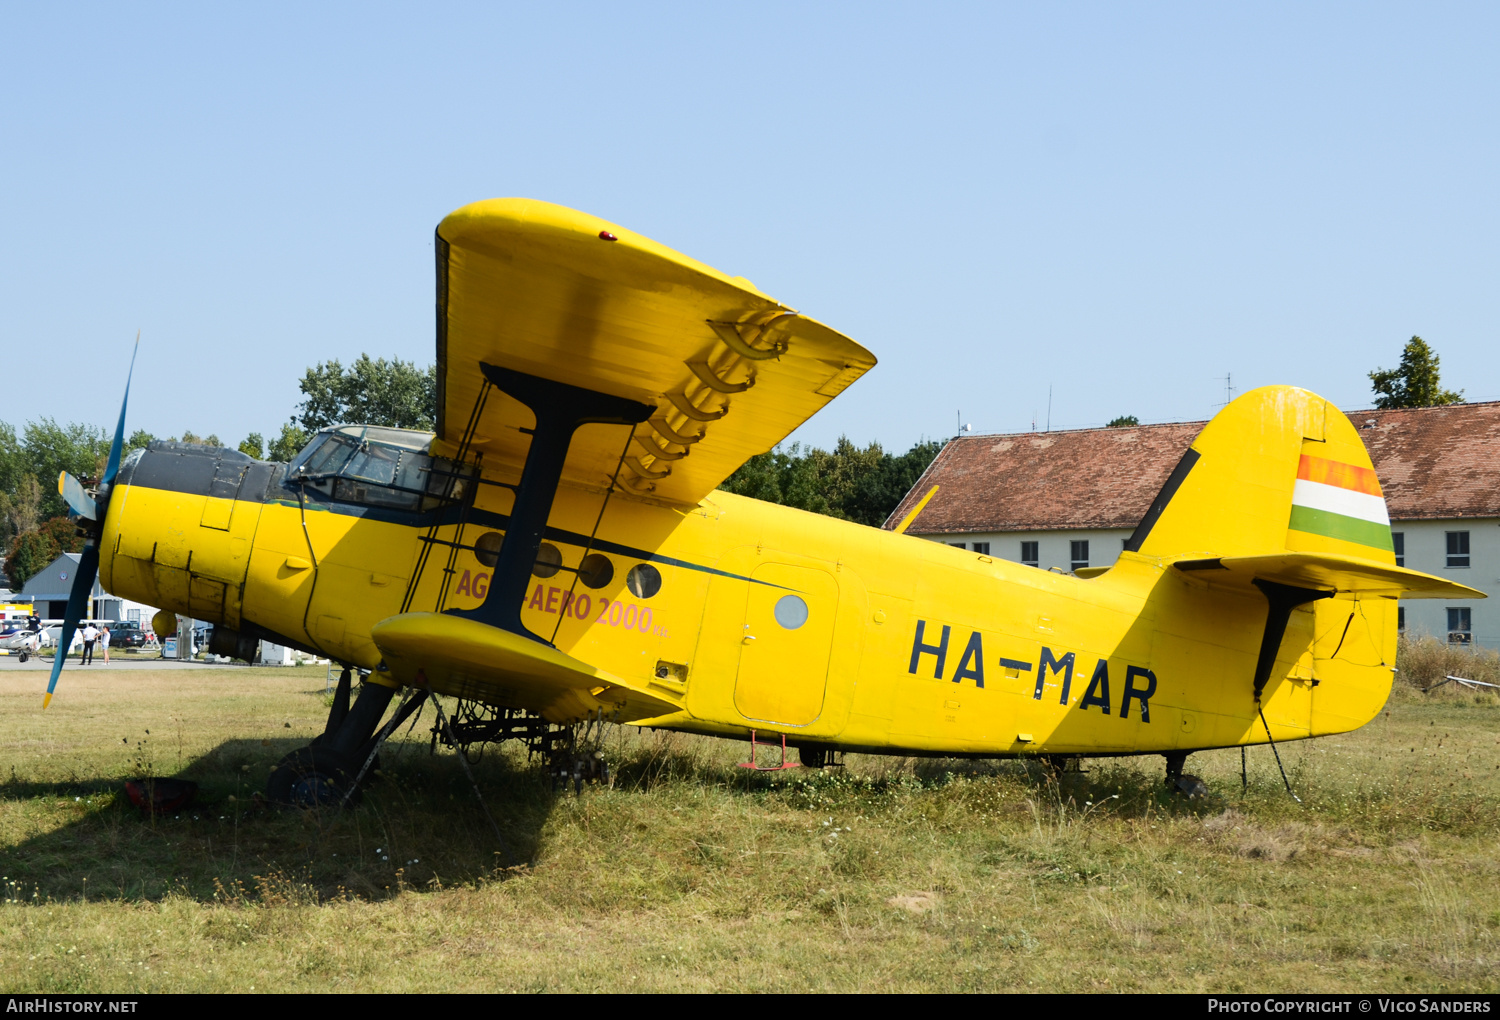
[[1333, 472]]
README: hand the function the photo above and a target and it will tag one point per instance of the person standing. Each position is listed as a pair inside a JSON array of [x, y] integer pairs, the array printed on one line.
[[104, 643], [90, 635]]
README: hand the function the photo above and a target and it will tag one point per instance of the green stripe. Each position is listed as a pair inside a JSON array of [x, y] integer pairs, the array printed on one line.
[[1347, 529]]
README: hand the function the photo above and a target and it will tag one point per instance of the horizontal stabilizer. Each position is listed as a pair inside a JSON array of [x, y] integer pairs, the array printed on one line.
[[468, 659], [1344, 575]]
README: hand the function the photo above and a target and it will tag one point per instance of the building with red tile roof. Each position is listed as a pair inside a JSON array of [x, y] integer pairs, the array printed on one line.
[[1063, 500]]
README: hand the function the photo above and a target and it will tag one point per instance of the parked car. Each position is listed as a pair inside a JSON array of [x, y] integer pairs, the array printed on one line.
[[126, 634], [51, 634]]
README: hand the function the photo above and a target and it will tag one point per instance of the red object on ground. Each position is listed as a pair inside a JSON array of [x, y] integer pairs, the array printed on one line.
[[157, 795]]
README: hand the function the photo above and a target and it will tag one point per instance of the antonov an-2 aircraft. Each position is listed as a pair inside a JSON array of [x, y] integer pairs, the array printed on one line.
[[559, 550]]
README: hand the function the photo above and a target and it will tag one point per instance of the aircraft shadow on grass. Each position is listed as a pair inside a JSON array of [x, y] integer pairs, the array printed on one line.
[[419, 825]]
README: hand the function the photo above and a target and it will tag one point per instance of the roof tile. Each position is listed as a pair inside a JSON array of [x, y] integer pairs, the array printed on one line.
[[1433, 463]]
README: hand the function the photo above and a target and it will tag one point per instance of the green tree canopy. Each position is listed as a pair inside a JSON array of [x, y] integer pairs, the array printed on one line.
[[287, 445], [137, 440], [50, 449], [1124, 421], [254, 445], [33, 550], [393, 393], [1415, 383], [852, 483]]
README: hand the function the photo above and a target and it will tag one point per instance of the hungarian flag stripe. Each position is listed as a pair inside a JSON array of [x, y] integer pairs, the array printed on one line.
[[1341, 501], [1338, 474]]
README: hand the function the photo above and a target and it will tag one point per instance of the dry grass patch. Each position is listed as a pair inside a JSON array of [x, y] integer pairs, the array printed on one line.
[[692, 874]]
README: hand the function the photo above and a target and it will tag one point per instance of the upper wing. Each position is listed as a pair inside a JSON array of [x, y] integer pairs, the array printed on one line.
[[555, 293], [1329, 572]]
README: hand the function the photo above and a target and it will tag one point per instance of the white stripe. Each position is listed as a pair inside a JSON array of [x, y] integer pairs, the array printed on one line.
[[1318, 496]]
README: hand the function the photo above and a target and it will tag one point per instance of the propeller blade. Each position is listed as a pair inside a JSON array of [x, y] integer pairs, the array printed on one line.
[[113, 467], [82, 591], [78, 601], [71, 490]]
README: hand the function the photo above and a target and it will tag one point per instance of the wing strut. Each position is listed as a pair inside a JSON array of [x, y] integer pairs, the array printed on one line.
[[1283, 599], [559, 409]]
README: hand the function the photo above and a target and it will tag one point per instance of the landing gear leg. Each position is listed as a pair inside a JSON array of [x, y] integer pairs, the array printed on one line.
[[322, 773], [1178, 781]]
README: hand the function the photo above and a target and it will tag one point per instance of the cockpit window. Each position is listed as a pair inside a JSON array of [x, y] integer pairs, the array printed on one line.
[[381, 467]]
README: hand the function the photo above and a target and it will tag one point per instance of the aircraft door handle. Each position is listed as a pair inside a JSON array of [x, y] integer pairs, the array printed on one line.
[[748, 638]]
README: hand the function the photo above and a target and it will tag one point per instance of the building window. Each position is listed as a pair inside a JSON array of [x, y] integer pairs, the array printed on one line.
[[1398, 543], [1028, 554], [1458, 548], [982, 548], [1400, 619], [1460, 628], [957, 545], [1080, 555]]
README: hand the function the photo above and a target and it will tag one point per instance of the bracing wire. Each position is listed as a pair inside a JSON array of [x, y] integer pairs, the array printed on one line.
[[1277, 753], [572, 589]]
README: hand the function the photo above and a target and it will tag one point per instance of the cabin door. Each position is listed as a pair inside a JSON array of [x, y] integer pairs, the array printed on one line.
[[785, 645]]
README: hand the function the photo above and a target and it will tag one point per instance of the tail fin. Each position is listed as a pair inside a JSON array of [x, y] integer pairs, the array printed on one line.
[[1278, 470]]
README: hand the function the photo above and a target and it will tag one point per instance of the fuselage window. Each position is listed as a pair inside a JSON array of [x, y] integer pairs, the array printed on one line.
[[596, 571], [380, 467], [487, 548], [548, 560], [791, 611], [644, 580]]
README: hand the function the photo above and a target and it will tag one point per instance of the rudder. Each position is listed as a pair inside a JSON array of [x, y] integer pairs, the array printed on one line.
[[1279, 469]]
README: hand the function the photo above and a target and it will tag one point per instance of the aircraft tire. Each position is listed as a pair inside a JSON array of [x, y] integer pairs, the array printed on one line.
[[1190, 787], [313, 777]]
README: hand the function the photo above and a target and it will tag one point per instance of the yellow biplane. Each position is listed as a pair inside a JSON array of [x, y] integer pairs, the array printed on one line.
[[559, 552]]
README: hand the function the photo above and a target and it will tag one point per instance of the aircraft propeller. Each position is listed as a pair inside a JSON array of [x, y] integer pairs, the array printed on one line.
[[92, 509]]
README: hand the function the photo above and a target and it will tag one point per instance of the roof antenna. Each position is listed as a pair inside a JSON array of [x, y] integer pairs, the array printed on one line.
[[962, 428], [1228, 389], [1049, 408]]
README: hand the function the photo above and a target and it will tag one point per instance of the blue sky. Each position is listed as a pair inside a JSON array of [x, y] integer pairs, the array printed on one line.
[[1120, 202]]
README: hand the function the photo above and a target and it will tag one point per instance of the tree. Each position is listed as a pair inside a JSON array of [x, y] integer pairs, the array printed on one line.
[[25, 505], [197, 440], [287, 445], [1124, 421], [853, 484], [12, 459], [1415, 383], [254, 445], [50, 449], [33, 550], [393, 393]]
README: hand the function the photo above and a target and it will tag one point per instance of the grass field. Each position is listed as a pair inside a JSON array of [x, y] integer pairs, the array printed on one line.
[[692, 874]]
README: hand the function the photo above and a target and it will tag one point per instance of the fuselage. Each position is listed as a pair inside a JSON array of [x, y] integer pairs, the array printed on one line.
[[759, 617]]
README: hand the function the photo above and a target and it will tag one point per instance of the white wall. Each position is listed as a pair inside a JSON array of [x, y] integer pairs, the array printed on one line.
[[1427, 551], [1053, 547]]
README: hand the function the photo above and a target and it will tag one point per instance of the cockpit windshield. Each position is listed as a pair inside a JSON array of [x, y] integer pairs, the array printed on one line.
[[374, 466]]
